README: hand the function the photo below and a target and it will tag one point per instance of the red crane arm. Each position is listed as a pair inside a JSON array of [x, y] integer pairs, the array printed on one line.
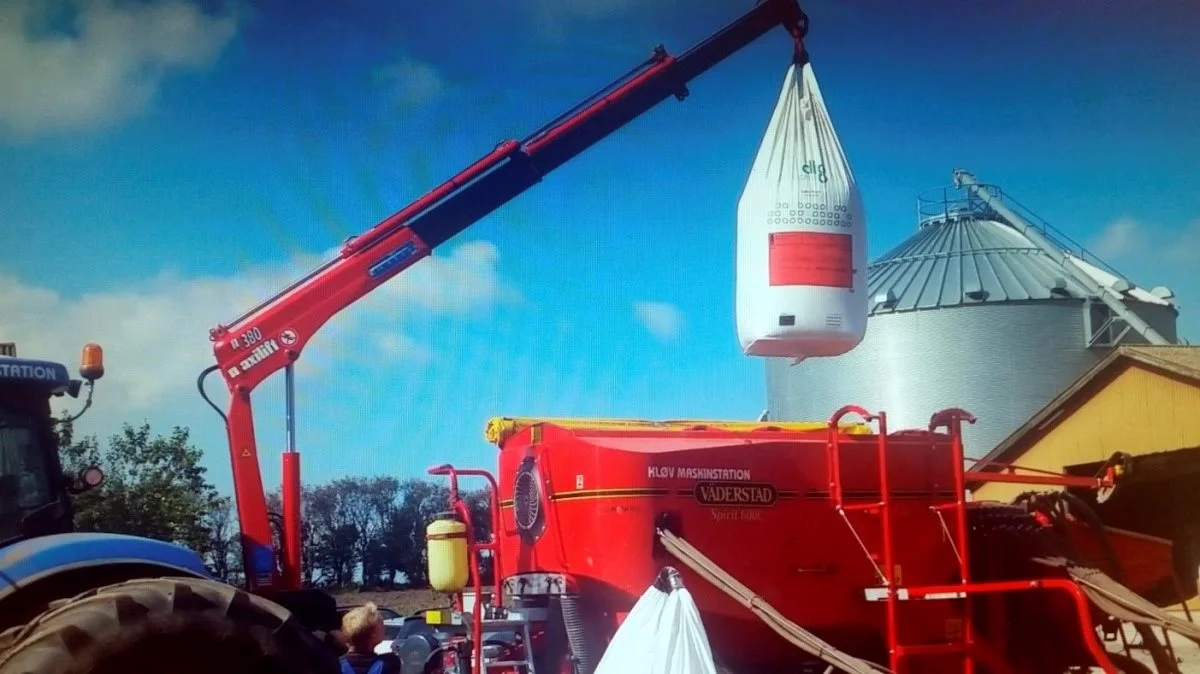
[[272, 336]]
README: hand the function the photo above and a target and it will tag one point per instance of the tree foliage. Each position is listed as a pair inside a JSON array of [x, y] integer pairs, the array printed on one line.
[[154, 486], [357, 531]]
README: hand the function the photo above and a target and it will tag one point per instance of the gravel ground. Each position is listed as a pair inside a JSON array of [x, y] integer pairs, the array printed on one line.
[[1187, 653], [404, 602]]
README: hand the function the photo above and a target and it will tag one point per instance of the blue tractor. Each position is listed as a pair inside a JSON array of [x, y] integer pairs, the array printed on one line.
[[95, 603]]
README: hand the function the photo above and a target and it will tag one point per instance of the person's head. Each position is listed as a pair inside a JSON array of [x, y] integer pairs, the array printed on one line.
[[362, 628]]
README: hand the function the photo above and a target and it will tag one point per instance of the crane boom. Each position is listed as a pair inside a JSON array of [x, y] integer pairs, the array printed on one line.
[[271, 336]]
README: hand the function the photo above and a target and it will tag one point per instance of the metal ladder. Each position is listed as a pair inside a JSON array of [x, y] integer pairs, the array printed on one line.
[[891, 594]]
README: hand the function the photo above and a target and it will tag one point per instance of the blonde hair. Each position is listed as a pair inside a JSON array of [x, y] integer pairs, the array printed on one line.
[[359, 626]]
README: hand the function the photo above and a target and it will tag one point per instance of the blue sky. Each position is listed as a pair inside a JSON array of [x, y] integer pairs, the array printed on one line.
[[153, 186]]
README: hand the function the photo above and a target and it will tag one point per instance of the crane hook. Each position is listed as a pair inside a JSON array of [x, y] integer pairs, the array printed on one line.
[[799, 30]]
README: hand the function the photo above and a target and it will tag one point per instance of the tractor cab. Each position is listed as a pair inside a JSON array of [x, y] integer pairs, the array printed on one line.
[[34, 491]]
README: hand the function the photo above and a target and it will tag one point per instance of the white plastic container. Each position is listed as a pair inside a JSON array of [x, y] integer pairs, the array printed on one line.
[[801, 235]]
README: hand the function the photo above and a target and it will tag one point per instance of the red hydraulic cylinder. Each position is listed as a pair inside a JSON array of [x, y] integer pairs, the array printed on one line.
[[291, 519]]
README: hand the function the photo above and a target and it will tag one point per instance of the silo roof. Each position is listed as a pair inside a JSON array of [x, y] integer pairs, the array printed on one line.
[[973, 260]]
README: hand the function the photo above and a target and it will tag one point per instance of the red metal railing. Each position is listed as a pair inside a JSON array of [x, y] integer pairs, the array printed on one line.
[[951, 419], [460, 508]]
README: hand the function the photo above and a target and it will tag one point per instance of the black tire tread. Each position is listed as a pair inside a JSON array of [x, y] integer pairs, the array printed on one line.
[[75, 634]]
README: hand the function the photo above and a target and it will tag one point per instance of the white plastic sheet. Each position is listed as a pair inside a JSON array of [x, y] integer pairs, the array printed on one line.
[[801, 237], [663, 634]]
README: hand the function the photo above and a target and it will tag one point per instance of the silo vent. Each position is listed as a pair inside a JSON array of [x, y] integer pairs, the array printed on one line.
[[1121, 285], [976, 293], [1060, 287], [886, 300], [1163, 292]]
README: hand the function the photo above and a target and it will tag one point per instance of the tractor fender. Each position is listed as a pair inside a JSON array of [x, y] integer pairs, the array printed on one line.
[[26, 564], [26, 561]]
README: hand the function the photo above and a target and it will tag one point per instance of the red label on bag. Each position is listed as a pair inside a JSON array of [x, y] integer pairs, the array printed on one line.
[[811, 259]]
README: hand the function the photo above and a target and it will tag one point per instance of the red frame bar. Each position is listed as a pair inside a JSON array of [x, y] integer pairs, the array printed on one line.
[[1049, 479], [460, 508], [1083, 609]]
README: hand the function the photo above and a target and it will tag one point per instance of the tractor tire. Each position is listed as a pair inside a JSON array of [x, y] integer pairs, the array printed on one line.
[[178, 625]]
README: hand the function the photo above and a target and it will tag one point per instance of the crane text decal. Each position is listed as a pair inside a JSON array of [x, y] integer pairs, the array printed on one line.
[[691, 473], [248, 338], [258, 355], [736, 494]]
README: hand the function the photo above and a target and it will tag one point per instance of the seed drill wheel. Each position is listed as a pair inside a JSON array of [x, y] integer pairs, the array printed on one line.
[[178, 625]]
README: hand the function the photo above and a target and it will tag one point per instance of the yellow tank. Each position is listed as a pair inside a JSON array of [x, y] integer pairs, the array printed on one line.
[[449, 562]]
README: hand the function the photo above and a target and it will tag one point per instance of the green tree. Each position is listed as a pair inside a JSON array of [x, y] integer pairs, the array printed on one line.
[[369, 504], [335, 537], [224, 554], [77, 454], [355, 530], [154, 486]]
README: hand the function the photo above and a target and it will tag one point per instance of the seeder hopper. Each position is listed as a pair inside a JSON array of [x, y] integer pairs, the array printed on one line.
[[803, 545]]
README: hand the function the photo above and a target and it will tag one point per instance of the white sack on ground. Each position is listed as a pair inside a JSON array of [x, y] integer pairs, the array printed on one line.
[[663, 634], [801, 235]]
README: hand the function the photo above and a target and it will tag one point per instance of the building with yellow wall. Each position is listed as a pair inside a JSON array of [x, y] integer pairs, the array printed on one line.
[[1140, 400]]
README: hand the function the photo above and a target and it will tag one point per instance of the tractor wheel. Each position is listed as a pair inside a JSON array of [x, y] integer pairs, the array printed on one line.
[[180, 625]]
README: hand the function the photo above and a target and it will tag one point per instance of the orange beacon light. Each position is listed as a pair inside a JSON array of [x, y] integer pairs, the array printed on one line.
[[91, 364]]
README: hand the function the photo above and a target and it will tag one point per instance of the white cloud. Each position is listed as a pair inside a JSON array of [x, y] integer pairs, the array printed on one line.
[[1118, 239], [402, 347], [1128, 239], [410, 83], [1151, 255], [662, 320], [155, 333], [109, 67]]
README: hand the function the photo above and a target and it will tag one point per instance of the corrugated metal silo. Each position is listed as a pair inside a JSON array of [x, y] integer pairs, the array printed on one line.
[[980, 309]]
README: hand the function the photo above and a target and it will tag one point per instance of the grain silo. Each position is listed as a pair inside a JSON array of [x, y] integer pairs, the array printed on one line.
[[980, 309]]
